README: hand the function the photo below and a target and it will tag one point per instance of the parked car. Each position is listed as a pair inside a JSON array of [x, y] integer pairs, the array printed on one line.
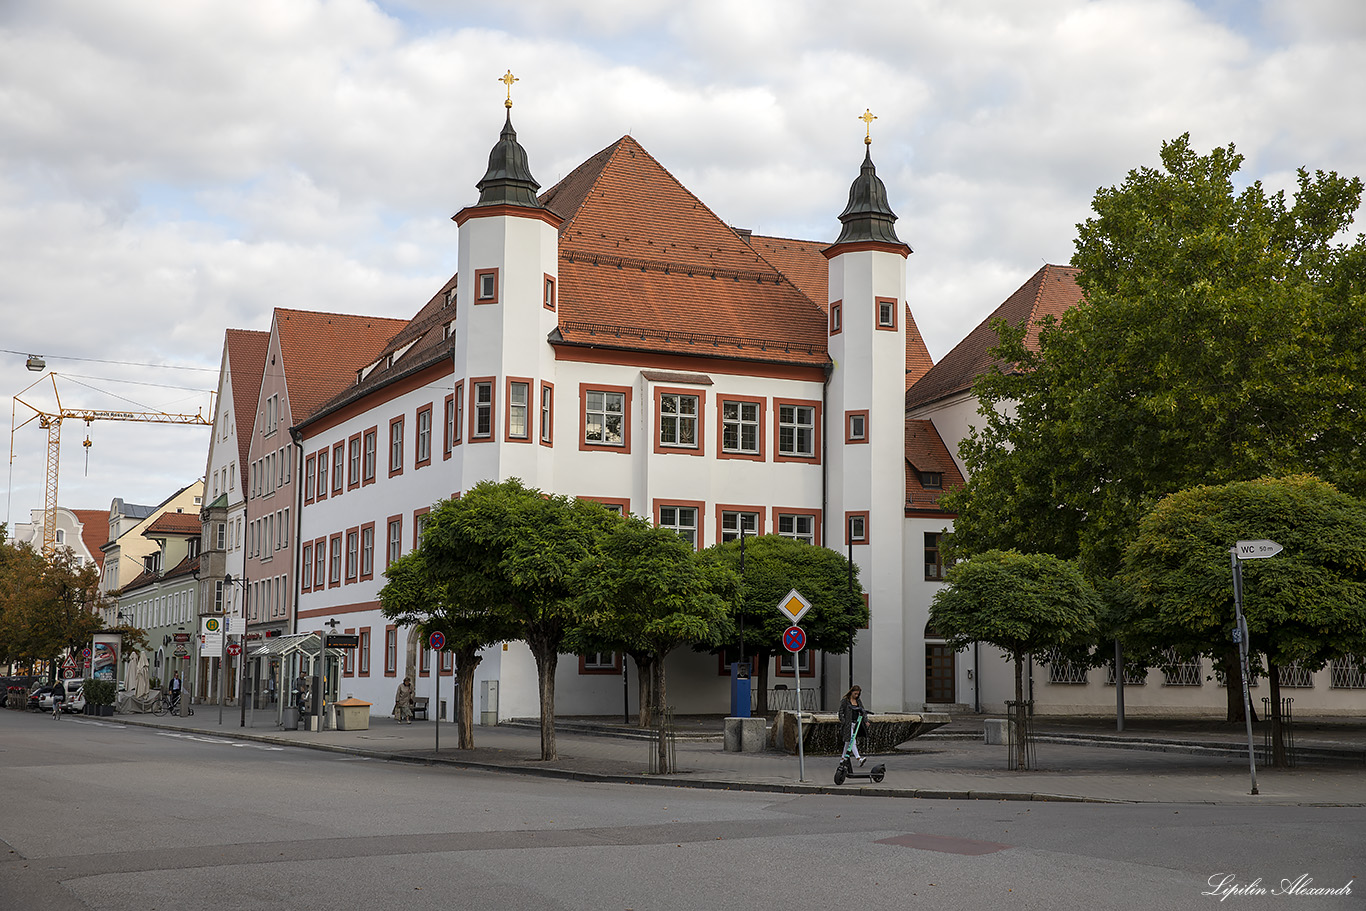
[[72, 701], [37, 693]]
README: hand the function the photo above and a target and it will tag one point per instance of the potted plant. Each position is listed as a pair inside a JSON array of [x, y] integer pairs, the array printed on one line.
[[100, 694]]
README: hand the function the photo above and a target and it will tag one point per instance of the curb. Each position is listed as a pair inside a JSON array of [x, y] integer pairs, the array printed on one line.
[[710, 784]]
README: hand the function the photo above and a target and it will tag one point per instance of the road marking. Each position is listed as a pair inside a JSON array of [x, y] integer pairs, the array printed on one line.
[[220, 741], [102, 724]]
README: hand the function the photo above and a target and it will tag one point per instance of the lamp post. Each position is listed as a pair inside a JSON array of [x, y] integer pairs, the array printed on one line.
[[853, 630], [229, 581], [322, 677]]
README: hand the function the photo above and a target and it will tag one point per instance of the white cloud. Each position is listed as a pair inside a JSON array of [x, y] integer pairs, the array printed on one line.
[[168, 170]]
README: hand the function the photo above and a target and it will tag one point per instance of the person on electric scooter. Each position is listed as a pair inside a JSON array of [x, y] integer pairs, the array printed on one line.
[[851, 710]]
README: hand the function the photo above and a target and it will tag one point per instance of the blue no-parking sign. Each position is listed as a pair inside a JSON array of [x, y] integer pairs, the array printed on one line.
[[437, 641]]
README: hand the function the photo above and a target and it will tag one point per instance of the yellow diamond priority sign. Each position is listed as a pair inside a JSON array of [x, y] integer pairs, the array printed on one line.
[[794, 606]]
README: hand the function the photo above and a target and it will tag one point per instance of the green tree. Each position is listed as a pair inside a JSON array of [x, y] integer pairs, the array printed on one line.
[[1020, 603], [416, 596], [1223, 338], [516, 548], [1306, 604], [47, 607], [645, 592], [775, 565]]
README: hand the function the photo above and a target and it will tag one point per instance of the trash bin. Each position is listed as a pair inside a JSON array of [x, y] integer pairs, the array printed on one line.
[[353, 714], [291, 718]]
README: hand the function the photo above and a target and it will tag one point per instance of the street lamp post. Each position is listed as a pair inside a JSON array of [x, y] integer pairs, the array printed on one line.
[[229, 581]]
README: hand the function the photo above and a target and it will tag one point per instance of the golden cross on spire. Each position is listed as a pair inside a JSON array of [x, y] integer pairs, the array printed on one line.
[[867, 117], [508, 79]]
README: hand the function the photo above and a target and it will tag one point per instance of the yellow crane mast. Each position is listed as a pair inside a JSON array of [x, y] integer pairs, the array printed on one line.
[[51, 421]]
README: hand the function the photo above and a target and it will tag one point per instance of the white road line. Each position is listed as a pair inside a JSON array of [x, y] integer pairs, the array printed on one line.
[[220, 741]]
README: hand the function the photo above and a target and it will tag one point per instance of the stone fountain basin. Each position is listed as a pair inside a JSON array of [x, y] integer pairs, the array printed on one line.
[[821, 734]]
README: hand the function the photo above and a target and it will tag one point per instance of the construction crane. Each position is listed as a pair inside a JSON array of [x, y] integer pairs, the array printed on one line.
[[51, 421]]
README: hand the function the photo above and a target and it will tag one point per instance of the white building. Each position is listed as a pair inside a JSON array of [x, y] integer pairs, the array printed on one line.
[[614, 339]]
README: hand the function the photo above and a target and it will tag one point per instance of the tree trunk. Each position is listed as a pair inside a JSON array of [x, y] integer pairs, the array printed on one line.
[[547, 657], [410, 665], [660, 705], [645, 688], [1019, 720], [466, 661], [1278, 757]]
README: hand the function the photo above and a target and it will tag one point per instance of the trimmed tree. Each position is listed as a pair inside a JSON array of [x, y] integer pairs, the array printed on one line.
[[514, 548], [415, 596], [1305, 605], [775, 565], [644, 592], [1020, 603]]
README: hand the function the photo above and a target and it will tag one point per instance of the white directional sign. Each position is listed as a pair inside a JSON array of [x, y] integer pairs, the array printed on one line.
[[1257, 550], [794, 606]]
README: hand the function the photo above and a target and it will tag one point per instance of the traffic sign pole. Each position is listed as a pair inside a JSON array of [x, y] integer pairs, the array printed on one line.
[[794, 640], [437, 640]]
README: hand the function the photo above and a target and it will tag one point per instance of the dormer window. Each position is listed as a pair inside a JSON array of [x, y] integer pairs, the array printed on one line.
[[932, 480]]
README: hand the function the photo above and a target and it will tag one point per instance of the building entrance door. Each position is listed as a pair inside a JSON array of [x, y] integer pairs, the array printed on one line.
[[940, 665]]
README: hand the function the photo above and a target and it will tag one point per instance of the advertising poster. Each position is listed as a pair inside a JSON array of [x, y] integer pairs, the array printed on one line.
[[104, 657]]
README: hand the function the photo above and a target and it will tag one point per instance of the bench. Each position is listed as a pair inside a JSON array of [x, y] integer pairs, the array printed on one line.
[[420, 708]]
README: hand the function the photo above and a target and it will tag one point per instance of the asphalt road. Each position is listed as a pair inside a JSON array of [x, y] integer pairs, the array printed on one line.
[[96, 815]]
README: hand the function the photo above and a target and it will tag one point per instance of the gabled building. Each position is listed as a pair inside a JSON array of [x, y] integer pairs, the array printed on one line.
[[83, 531], [162, 600], [615, 339], [127, 550], [308, 358]]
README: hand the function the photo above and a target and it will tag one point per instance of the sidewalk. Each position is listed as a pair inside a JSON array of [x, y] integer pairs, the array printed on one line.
[[1079, 759]]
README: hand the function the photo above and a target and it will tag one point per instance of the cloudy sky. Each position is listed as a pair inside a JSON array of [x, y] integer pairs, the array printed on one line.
[[171, 169]]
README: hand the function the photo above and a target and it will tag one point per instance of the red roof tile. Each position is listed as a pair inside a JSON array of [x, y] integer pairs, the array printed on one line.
[[1051, 291], [94, 531], [802, 262], [646, 266], [174, 523], [247, 360], [322, 352], [925, 451]]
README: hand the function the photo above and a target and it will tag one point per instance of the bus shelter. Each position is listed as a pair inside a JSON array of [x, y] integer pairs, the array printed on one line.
[[307, 677]]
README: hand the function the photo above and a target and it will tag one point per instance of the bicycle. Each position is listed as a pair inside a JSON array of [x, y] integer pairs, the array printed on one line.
[[167, 703], [56, 709]]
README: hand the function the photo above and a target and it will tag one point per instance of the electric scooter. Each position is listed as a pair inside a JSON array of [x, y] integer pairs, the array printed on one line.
[[846, 767]]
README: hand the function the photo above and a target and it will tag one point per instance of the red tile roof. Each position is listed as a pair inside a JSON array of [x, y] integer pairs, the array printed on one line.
[[646, 266], [321, 352], [925, 451], [94, 531], [174, 523], [246, 359], [802, 262], [1051, 291], [422, 342]]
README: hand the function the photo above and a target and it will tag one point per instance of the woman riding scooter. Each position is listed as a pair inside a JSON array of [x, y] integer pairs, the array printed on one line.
[[851, 712]]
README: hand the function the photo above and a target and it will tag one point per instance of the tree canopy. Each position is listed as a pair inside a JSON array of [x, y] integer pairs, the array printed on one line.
[[514, 550], [47, 607], [415, 595], [775, 565], [1020, 603], [1306, 604], [645, 593], [1222, 338]]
